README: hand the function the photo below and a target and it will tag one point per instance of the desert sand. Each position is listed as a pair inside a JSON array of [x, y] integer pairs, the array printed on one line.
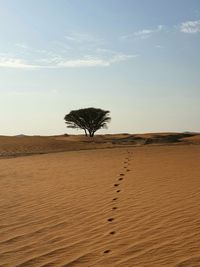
[[13, 146], [119, 206]]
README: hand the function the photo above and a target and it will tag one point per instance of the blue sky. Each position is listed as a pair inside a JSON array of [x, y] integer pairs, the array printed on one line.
[[140, 59]]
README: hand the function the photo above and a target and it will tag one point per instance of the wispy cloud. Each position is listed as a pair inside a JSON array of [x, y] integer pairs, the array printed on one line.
[[77, 50], [84, 62], [16, 63], [81, 38], [159, 46], [94, 61], [23, 46], [190, 26], [56, 63], [143, 34]]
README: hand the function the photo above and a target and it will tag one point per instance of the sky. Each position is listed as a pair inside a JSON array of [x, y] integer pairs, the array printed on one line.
[[140, 59]]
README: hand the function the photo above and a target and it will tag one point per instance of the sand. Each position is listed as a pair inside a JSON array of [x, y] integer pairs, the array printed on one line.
[[12, 146], [123, 207]]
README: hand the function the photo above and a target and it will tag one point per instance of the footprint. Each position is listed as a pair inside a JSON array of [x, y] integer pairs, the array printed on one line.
[[128, 170], [122, 174], [112, 233], [114, 208], [120, 179], [116, 184], [110, 219], [118, 191], [115, 198], [106, 251]]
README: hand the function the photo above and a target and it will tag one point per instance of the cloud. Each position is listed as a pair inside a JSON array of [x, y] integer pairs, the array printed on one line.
[[85, 62], [94, 61], [159, 46], [143, 34], [78, 50], [146, 33], [15, 63], [83, 38], [23, 46], [122, 57], [190, 26], [59, 62]]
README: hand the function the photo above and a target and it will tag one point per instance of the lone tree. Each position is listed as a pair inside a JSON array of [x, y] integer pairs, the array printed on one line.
[[88, 119]]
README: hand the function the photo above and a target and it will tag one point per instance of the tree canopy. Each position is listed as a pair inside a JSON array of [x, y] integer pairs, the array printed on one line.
[[88, 119]]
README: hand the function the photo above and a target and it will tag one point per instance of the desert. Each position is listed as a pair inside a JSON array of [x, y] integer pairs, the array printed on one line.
[[99, 133], [104, 202]]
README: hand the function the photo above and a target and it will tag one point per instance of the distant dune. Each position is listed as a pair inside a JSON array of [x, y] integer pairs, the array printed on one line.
[[114, 200], [28, 145]]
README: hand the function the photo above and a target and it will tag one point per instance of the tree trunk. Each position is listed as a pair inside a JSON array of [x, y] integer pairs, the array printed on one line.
[[85, 132], [92, 134]]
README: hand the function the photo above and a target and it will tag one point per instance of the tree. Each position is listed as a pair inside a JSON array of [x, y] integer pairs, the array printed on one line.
[[88, 119]]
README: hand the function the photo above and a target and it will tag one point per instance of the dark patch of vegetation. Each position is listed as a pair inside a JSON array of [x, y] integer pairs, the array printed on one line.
[[155, 139], [171, 138]]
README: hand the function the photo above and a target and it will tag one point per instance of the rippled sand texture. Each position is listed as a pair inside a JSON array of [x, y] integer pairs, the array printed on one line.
[[118, 207]]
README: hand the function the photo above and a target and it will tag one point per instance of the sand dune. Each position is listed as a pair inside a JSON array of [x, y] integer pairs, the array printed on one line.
[[120, 207], [28, 145]]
